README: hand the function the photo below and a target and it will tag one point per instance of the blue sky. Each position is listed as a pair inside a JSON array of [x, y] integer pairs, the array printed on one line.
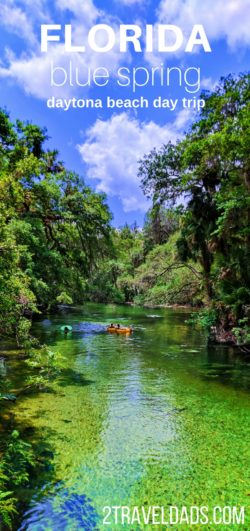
[[104, 145]]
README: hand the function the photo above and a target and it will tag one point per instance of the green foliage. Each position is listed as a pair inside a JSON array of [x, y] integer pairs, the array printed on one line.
[[164, 280], [111, 281], [23, 337], [145, 272], [17, 462], [53, 229], [210, 168], [7, 505], [64, 298], [159, 225], [205, 318], [242, 332], [46, 363], [18, 458], [57, 246], [102, 290]]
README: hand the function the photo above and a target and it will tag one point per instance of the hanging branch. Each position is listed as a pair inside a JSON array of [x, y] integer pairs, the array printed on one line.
[[180, 265]]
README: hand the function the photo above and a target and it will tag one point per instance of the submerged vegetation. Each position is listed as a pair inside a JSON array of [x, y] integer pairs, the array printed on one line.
[[57, 245]]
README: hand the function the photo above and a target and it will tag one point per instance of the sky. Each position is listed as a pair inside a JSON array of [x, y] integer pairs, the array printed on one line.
[[104, 144]]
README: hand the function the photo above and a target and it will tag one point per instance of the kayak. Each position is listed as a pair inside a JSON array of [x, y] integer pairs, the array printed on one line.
[[122, 330], [66, 328]]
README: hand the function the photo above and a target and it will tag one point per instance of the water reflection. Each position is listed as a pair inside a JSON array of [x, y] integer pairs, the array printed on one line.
[[63, 510]]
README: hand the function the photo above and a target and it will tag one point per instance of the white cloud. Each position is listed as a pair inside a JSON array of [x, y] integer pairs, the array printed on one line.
[[84, 9], [227, 21], [222, 20], [18, 17], [33, 73], [17, 21], [208, 83], [32, 70], [112, 149]]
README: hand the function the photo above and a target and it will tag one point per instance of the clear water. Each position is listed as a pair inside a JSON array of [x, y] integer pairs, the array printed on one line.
[[155, 418]]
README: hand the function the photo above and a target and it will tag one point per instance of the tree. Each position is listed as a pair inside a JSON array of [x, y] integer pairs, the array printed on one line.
[[53, 228], [160, 224], [209, 171]]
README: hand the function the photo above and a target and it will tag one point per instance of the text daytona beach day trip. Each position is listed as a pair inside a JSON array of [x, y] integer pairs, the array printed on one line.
[[129, 103]]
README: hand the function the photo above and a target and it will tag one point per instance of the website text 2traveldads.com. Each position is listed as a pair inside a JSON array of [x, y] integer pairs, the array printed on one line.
[[172, 515]]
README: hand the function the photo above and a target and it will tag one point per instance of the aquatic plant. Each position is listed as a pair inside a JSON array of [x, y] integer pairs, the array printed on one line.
[[15, 468]]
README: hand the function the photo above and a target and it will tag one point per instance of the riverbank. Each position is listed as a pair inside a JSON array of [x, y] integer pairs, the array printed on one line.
[[217, 334]]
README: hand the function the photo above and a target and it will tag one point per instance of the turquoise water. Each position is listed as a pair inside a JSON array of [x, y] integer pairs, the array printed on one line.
[[155, 418]]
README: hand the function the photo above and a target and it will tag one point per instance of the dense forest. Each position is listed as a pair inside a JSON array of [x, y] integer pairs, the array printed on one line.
[[58, 245]]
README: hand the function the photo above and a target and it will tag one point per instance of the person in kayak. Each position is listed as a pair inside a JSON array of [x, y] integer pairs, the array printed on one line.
[[119, 329], [66, 329]]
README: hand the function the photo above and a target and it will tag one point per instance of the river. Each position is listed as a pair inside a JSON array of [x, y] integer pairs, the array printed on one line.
[[155, 418]]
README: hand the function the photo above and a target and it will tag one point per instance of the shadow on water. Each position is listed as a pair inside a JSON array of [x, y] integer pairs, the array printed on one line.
[[40, 475], [60, 510], [26, 460], [65, 378], [54, 335], [55, 505], [71, 377], [224, 366]]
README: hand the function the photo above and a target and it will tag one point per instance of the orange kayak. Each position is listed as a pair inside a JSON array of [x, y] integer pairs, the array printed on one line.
[[124, 330]]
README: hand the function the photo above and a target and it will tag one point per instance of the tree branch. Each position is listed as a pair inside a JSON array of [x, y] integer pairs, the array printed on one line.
[[180, 265]]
